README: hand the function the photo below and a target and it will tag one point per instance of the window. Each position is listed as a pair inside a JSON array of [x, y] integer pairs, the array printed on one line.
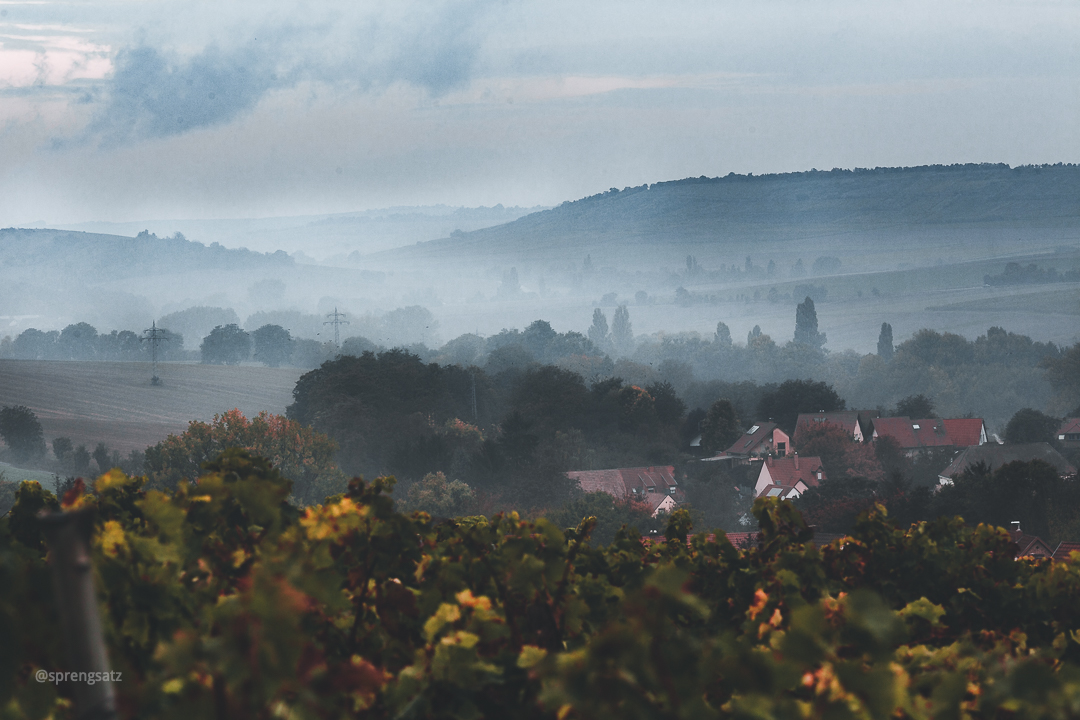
[[914, 427], [752, 430], [671, 489]]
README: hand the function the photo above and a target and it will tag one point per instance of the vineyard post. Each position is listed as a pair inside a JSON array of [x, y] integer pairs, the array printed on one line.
[[68, 537]]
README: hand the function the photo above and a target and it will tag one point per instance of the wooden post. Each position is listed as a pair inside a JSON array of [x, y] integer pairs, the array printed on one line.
[[68, 537]]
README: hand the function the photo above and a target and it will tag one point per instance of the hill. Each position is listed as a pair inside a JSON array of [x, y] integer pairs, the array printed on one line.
[[86, 256], [849, 207], [115, 403]]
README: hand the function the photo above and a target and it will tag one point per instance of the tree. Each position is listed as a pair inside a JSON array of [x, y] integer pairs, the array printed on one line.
[[622, 332], [885, 342], [720, 427], [273, 345], [62, 446], [226, 345], [915, 406], [723, 334], [77, 341], [1064, 375], [611, 515], [80, 460], [806, 325], [1029, 426], [102, 457], [299, 453], [669, 407], [598, 331], [22, 432], [784, 403], [440, 497]]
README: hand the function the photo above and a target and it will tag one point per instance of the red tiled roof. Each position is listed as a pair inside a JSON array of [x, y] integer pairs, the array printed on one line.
[[608, 481], [784, 474], [964, 432], [750, 442], [651, 483], [1070, 426], [930, 432], [1061, 552], [844, 419]]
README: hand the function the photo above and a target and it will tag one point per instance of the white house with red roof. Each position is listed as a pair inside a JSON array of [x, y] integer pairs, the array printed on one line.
[[788, 477], [917, 435], [654, 486]]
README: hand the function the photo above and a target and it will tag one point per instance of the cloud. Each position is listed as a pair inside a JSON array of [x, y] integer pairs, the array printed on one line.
[[154, 93]]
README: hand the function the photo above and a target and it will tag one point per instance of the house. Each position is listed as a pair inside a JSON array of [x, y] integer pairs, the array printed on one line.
[[759, 441], [1069, 433], [997, 455], [1065, 548], [654, 486], [917, 435], [788, 477], [859, 424], [1031, 546]]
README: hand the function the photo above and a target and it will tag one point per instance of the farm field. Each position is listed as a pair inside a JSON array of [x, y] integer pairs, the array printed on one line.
[[114, 402]]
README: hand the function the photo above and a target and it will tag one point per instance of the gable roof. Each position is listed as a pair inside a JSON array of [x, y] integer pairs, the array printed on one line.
[[1061, 552], [931, 432], [996, 455], [785, 473], [751, 440], [622, 482], [846, 419], [1069, 427]]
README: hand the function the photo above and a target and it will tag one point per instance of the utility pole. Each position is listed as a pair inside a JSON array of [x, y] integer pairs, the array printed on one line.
[[336, 320], [154, 335]]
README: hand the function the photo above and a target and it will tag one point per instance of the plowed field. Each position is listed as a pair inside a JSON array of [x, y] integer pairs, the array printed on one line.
[[115, 403]]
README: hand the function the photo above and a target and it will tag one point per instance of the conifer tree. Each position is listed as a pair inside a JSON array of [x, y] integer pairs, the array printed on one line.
[[622, 332], [885, 342], [806, 325]]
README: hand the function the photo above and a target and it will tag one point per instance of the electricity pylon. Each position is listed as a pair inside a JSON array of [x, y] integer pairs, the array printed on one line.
[[154, 335], [336, 320]]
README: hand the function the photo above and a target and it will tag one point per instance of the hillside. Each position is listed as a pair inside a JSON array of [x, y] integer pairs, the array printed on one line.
[[839, 206], [86, 256], [114, 402]]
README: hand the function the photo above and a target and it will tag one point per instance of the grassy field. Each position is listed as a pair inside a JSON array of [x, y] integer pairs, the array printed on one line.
[[115, 403]]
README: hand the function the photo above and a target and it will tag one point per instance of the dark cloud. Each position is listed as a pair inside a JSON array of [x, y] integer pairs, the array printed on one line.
[[152, 95], [156, 94]]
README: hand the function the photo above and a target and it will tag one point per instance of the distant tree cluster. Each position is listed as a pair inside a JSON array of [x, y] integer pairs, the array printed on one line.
[[1017, 274], [81, 341]]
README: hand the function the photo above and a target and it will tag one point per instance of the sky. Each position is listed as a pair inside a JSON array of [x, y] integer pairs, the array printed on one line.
[[124, 110]]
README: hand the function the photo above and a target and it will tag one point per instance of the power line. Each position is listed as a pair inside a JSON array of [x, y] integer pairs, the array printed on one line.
[[336, 321], [154, 335]]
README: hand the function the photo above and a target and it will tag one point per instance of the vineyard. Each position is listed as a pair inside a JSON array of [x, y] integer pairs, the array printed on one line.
[[222, 600]]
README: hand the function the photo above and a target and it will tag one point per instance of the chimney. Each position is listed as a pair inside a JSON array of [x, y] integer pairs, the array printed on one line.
[[1016, 533], [796, 461], [769, 458]]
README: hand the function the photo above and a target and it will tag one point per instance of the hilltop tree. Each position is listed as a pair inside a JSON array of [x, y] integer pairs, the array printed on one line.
[[622, 332], [22, 432], [273, 345], [806, 324], [885, 342], [226, 345], [103, 457], [720, 427]]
